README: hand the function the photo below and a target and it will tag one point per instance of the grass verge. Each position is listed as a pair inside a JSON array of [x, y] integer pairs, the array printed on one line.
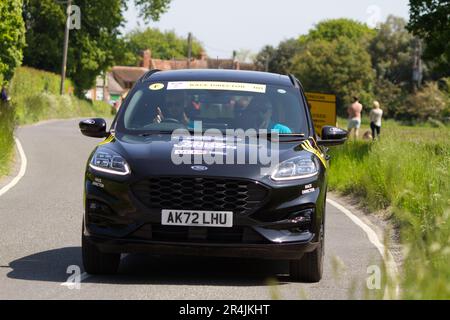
[[407, 172]]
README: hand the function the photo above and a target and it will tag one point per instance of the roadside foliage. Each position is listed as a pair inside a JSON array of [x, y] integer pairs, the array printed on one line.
[[406, 174]]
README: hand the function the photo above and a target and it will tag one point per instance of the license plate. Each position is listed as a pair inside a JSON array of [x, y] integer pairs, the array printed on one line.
[[218, 219]]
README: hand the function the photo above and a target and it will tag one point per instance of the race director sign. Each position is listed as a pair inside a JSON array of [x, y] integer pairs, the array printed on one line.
[[323, 110]]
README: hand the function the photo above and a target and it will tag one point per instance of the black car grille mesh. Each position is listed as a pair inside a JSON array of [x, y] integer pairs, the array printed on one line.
[[241, 197]]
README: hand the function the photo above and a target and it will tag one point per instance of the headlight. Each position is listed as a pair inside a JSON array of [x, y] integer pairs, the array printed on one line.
[[296, 168], [110, 162]]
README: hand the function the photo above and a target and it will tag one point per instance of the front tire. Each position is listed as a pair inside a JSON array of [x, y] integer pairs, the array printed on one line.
[[97, 262], [310, 267]]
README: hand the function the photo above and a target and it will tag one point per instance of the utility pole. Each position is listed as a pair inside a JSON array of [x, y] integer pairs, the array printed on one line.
[[66, 46], [189, 50]]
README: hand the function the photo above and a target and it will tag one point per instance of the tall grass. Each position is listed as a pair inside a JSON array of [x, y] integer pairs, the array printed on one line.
[[407, 172], [35, 97], [6, 136]]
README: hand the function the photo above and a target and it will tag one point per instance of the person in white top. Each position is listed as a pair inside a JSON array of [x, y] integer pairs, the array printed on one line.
[[376, 114]]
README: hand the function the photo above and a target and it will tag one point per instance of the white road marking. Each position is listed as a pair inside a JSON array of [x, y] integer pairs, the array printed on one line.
[[391, 266], [23, 169]]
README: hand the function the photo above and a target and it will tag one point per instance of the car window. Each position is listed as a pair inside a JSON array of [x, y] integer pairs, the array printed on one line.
[[168, 106]]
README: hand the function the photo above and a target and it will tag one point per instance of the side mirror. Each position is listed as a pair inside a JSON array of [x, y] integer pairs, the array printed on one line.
[[332, 136], [94, 128]]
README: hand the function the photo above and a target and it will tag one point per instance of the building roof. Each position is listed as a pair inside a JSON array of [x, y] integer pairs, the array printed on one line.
[[222, 75], [128, 74], [113, 86]]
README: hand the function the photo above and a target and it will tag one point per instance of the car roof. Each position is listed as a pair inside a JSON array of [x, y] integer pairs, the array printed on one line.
[[220, 75]]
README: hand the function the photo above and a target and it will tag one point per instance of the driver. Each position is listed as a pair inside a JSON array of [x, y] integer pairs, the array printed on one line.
[[263, 109], [174, 110]]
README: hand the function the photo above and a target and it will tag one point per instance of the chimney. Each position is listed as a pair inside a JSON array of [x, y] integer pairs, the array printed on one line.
[[203, 56], [146, 61]]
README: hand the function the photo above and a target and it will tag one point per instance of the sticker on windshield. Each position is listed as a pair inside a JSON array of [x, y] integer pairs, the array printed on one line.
[[156, 86], [282, 91], [214, 85]]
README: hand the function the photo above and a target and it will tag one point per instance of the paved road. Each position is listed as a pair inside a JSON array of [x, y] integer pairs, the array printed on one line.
[[40, 228]]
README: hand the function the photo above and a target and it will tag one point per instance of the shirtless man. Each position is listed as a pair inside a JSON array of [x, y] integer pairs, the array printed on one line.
[[354, 117]]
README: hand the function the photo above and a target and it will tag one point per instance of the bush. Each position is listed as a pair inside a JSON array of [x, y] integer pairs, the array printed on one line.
[[429, 102], [7, 124], [35, 97]]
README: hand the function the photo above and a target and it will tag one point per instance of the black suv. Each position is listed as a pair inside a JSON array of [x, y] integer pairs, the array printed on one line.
[[209, 162]]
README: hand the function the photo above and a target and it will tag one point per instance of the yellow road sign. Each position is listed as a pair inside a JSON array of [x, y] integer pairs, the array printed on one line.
[[323, 110]]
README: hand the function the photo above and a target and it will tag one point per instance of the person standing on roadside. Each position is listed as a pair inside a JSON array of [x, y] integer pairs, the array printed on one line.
[[354, 117], [4, 95], [376, 115]]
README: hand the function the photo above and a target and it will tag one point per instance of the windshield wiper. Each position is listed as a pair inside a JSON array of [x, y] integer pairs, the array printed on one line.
[[152, 133]]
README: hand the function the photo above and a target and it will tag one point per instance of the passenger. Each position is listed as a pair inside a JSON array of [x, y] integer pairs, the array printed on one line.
[[264, 112]]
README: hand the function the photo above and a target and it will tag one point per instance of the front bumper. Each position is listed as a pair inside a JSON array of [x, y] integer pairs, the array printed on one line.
[[121, 223], [288, 251]]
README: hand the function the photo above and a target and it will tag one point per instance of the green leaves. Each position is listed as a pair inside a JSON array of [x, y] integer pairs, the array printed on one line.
[[164, 45], [12, 40], [430, 20], [92, 49], [152, 9], [333, 58]]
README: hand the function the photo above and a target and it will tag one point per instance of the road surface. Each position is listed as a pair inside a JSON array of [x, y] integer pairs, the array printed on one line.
[[40, 233]]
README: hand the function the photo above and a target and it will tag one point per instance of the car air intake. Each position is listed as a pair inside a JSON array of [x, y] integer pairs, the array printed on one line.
[[239, 196]]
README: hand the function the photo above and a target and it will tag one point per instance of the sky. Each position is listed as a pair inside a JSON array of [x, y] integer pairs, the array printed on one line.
[[226, 25]]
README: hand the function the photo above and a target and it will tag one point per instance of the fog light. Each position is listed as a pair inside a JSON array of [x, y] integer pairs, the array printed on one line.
[[302, 219]]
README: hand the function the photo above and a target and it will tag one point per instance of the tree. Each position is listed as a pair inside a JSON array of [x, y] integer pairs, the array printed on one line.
[[428, 103], [333, 58], [264, 59], [244, 55], [430, 20], [12, 37], [332, 29], [341, 66], [164, 45], [278, 60], [392, 51], [93, 48]]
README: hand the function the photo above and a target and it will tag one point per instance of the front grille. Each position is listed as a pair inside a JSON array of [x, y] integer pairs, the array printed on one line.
[[240, 197]]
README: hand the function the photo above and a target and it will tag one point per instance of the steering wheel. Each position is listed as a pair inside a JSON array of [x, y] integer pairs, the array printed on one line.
[[170, 120]]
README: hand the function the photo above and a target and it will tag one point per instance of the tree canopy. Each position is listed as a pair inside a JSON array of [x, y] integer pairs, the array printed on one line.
[[340, 66], [333, 58], [430, 20], [12, 37], [164, 45], [93, 48]]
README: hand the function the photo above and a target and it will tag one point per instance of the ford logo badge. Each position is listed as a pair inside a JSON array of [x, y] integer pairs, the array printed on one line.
[[199, 168]]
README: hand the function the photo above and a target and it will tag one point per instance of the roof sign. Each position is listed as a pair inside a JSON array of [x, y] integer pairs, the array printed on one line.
[[213, 85]]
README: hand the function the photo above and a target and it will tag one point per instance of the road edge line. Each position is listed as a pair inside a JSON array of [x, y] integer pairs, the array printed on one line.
[[388, 258], [22, 171]]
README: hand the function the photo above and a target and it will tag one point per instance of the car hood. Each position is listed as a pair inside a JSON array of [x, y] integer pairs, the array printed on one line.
[[153, 155]]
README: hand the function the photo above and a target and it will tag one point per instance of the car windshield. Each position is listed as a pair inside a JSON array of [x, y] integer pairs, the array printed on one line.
[[195, 105]]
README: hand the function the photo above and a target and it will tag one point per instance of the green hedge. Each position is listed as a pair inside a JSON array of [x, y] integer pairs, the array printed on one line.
[[35, 97]]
